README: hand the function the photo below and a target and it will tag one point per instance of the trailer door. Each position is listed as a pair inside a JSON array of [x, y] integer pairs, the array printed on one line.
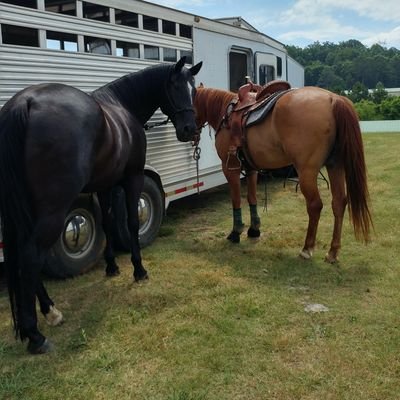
[[265, 67]]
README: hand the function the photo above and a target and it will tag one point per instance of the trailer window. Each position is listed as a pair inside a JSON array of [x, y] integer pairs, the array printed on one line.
[[22, 3], [189, 56], [151, 52], [67, 7], [169, 55], [279, 66], [97, 45], [126, 49], [150, 23], [266, 73], [61, 41], [185, 31], [19, 35], [96, 12], [126, 18], [169, 27], [237, 70]]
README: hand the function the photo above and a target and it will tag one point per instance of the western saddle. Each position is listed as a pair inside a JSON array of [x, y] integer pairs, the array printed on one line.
[[250, 107]]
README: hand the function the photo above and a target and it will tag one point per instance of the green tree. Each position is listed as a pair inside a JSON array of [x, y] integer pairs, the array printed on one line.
[[352, 61], [312, 73], [329, 80], [367, 110], [390, 108], [358, 92], [379, 93]]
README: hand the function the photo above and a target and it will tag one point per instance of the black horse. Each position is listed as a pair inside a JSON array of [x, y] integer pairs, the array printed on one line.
[[56, 142]]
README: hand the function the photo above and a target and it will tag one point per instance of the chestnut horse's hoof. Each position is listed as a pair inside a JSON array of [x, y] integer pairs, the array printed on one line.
[[306, 254], [45, 347], [253, 233], [234, 237], [330, 259]]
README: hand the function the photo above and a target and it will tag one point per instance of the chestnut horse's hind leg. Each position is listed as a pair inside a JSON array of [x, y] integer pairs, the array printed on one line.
[[339, 202], [254, 230], [309, 188]]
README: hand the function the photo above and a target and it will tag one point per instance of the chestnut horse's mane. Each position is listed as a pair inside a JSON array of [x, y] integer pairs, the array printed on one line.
[[211, 104]]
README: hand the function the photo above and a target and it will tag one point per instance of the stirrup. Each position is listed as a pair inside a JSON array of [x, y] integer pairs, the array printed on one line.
[[236, 162]]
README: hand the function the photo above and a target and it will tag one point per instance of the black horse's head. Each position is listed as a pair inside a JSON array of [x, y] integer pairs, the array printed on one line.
[[178, 105]]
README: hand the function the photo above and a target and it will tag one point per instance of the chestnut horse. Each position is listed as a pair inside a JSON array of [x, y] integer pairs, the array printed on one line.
[[309, 128]]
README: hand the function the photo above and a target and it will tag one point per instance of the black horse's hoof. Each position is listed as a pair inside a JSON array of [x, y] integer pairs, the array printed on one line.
[[234, 237], [45, 347], [112, 272], [253, 233], [141, 278]]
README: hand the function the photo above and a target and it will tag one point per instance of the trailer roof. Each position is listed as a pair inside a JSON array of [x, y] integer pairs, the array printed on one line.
[[221, 25]]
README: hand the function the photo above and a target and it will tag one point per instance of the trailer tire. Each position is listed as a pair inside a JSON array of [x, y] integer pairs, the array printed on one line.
[[151, 213], [81, 244]]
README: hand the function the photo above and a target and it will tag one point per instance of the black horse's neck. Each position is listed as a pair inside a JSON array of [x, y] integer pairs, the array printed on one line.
[[140, 93]]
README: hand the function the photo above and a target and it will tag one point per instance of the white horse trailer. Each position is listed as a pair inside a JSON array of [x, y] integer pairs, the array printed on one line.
[[88, 44]]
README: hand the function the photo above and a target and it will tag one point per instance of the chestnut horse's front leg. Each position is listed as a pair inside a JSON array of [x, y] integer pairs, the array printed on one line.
[[233, 178]]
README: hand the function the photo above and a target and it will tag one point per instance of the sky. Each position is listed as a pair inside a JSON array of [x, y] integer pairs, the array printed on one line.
[[303, 22]]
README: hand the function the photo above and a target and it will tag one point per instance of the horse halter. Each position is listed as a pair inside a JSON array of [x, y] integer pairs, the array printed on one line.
[[175, 109]]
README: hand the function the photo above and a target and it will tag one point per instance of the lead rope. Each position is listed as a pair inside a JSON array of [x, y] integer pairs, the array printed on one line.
[[154, 124], [196, 157]]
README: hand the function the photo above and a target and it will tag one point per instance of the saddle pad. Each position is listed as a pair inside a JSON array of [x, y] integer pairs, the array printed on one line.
[[258, 114]]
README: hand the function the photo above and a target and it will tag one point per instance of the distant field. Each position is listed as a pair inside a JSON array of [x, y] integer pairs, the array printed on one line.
[[220, 321]]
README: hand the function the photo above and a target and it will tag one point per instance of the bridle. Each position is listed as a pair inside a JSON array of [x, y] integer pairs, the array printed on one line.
[[175, 110]]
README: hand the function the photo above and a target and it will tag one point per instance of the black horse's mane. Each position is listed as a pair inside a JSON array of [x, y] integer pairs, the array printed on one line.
[[128, 87]]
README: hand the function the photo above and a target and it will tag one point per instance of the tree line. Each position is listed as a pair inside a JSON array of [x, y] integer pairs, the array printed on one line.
[[350, 68]]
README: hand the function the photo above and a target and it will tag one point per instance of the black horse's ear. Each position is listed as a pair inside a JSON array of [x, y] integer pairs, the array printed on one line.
[[196, 68], [180, 64]]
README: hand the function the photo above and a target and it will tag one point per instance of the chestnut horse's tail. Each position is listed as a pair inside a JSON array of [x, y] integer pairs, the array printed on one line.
[[350, 153]]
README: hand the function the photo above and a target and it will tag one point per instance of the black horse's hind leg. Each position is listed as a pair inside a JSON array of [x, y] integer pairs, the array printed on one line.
[[48, 228], [32, 261], [44, 300], [53, 316], [133, 188], [112, 268]]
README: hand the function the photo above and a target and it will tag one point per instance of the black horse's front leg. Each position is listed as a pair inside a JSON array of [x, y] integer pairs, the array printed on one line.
[[112, 268], [133, 188]]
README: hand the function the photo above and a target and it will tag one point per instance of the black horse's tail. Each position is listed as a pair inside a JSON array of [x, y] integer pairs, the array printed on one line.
[[15, 210]]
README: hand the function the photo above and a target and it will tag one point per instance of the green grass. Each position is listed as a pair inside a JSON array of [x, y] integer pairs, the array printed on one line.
[[219, 321]]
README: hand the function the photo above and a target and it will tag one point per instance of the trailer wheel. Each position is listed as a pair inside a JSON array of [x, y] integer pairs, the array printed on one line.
[[81, 244], [151, 212]]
